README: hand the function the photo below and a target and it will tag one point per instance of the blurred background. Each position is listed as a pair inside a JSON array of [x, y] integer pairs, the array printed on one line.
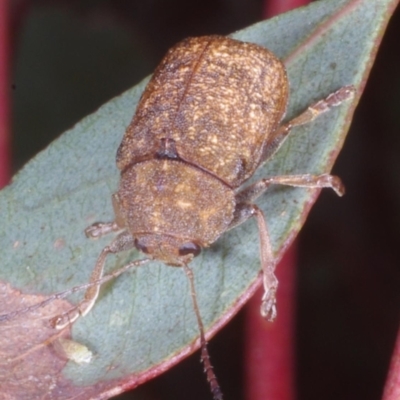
[[69, 57]]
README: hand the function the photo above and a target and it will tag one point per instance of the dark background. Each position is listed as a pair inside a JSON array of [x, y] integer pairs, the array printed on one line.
[[69, 57]]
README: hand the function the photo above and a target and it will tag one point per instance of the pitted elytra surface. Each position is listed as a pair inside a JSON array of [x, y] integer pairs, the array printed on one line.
[[217, 99]]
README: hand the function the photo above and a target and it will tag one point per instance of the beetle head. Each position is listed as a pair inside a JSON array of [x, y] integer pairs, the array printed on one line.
[[171, 250]]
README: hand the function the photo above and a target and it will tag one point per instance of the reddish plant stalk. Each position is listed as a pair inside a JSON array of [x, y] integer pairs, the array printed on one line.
[[275, 7], [5, 157], [392, 385], [269, 358]]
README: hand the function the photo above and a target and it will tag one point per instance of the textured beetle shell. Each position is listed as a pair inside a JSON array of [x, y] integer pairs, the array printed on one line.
[[218, 99], [175, 199]]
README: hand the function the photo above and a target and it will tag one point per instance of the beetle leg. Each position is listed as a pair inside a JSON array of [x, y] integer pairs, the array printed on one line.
[[244, 211], [312, 112], [250, 193], [65, 293], [124, 241], [268, 262], [100, 229]]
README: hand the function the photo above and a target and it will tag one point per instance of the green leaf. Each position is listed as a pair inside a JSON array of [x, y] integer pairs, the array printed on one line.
[[143, 321]]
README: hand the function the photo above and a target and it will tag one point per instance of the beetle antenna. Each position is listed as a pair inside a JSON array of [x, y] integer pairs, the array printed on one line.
[[205, 356], [61, 295]]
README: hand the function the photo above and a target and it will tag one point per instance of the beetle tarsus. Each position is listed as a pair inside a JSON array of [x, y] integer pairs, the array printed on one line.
[[268, 305], [100, 229]]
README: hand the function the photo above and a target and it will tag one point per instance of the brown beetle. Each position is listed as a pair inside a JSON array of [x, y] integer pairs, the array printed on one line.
[[208, 118]]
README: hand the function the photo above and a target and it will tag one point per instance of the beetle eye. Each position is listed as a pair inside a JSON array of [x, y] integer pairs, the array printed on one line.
[[141, 246], [189, 248]]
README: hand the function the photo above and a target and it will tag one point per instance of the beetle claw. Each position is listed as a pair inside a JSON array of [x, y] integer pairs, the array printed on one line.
[[268, 305]]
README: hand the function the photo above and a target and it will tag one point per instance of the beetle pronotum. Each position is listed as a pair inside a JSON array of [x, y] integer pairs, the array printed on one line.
[[208, 118]]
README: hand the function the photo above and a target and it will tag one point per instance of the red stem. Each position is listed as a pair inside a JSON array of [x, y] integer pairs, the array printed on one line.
[[275, 7], [4, 96], [269, 348], [392, 386]]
